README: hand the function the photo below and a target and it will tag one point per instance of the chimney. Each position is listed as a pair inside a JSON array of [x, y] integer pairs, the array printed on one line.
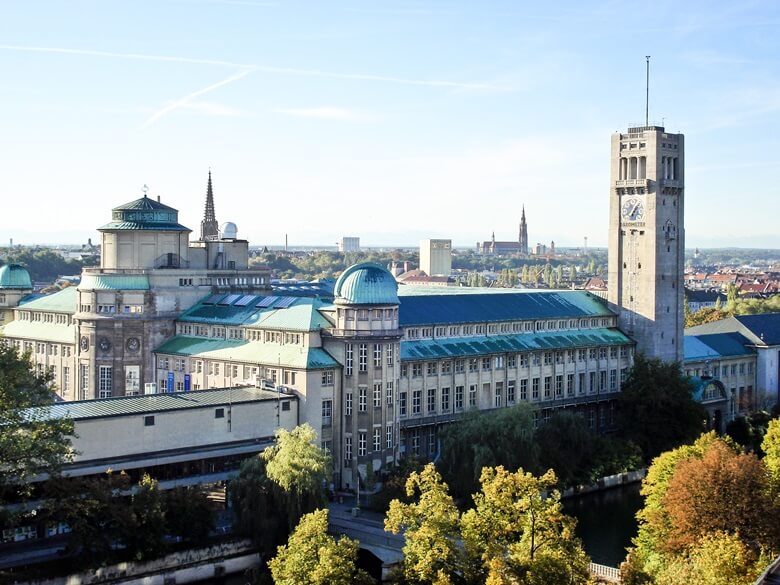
[[158, 199]]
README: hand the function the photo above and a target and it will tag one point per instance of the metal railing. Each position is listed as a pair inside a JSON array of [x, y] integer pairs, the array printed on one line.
[[604, 573]]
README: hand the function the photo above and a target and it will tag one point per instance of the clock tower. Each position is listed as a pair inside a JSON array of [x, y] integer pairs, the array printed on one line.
[[647, 238]]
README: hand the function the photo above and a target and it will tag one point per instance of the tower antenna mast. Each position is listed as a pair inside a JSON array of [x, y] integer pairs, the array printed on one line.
[[647, 90]]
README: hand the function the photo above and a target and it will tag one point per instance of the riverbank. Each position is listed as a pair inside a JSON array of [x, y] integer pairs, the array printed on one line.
[[606, 483]]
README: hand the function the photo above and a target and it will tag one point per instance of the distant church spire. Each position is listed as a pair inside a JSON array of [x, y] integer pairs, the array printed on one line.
[[523, 234], [209, 228]]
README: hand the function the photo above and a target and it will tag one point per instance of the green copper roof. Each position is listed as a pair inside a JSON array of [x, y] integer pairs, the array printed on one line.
[[295, 313], [40, 331], [91, 281], [151, 403], [482, 345], [145, 214], [304, 317], [289, 356], [63, 301], [366, 284], [14, 276]]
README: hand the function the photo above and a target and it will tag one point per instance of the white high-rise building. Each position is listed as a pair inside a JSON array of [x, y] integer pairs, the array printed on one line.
[[436, 257]]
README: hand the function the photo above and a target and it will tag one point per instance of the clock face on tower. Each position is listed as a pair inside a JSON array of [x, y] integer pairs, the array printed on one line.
[[632, 209]]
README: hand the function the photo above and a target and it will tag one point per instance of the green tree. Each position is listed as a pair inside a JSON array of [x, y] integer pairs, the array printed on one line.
[[189, 514], [504, 437], [518, 533], [312, 557], [771, 447], [731, 297], [144, 533], [258, 506], [568, 446], [431, 552], [31, 441], [300, 468], [656, 407]]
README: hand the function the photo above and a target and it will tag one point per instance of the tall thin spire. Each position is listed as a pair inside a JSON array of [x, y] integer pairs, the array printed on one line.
[[523, 234], [209, 228]]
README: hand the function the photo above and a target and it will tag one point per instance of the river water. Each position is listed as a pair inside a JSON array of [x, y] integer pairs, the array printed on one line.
[[606, 521]]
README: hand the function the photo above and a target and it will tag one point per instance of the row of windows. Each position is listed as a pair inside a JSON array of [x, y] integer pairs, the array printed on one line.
[[246, 372], [378, 397], [239, 333], [50, 349], [507, 327], [723, 371], [55, 318], [498, 362], [501, 394], [364, 314], [379, 354], [362, 443]]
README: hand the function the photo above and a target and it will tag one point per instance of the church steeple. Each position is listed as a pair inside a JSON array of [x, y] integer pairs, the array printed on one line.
[[209, 228], [523, 234]]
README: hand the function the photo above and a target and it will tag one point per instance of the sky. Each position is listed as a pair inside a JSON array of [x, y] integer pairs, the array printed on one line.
[[388, 120]]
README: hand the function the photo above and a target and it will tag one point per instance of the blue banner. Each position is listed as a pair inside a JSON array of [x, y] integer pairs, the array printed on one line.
[[170, 381], [186, 382]]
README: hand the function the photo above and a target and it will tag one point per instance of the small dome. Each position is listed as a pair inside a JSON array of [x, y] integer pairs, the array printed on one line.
[[228, 231], [366, 284], [15, 277]]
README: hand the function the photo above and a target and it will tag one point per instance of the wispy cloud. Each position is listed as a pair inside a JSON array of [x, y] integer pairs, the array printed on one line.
[[214, 109], [188, 99], [263, 68], [327, 113]]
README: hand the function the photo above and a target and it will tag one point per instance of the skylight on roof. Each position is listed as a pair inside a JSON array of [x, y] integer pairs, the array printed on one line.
[[212, 300], [267, 301], [244, 301], [284, 302], [229, 300]]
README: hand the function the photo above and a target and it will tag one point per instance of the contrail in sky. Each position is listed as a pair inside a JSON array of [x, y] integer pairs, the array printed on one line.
[[264, 68]]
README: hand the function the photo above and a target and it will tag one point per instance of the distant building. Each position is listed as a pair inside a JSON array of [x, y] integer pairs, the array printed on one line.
[[703, 299], [436, 257], [492, 247], [349, 244]]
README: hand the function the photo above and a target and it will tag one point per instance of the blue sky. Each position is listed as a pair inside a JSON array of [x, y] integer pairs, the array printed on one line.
[[389, 120]]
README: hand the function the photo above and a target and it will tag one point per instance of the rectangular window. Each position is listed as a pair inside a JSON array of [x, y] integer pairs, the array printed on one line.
[[523, 390], [348, 403], [361, 444], [402, 403], [602, 353], [559, 386], [432, 368], [389, 354], [486, 363], [473, 365], [65, 379], [499, 362], [613, 380], [547, 386], [362, 398], [106, 381], [219, 413], [389, 393], [363, 357], [416, 370], [377, 394], [547, 358], [446, 367], [511, 361], [510, 392], [623, 374], [377, 355], [602, 381], [389, 436], [535, 389], [378, 434], [569, 385], [83, 381], [459, 366], [445, 399], [347, 451], [431, 400], [473, 395], [404, 371], [416, 401], [327, 413], [149, 421], [581, 383], [327, 377], [458, 397], [523, 360], [348, 360], [498, 395]]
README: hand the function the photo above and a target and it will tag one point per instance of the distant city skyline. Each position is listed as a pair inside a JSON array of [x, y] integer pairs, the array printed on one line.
[[394, 121]]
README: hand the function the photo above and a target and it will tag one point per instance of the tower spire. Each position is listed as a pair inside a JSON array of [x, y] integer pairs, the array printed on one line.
[[209, 228], [523, 234]]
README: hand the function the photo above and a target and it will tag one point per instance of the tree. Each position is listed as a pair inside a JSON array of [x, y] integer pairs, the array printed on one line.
[[431, 552], [189, 514], [518, 533], [144, 533], [300, 468], [771, 447], [258, 506], [31, 441], [568, 446], [724, 491], [312, 557], [656, 407], [504, 437]]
